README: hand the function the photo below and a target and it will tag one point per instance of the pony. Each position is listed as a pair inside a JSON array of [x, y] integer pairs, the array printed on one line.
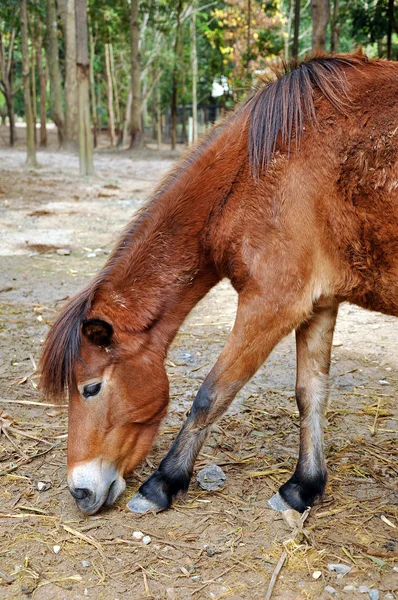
[[294, 198]]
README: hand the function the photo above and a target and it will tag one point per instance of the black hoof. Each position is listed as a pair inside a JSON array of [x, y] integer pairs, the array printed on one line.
[[161, 488], [300, 492]]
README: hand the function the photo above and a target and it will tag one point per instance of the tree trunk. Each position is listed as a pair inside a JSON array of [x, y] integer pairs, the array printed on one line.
[[34, 93], [137, 139], [43, 92], [127, 118], [320, 17], [288, 28], [11, 118], [158, 117], [30, 141], [175, 79], [194, 69], [6, 82], [249, 33], [71, 100], [335, 33], [115, 89], [56, 111], [92, 88], [109, 92], [85, 138], [390, 15], [296, 33]]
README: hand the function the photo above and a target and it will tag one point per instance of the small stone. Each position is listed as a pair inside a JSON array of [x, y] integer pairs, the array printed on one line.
[[374, 594], [340, 569], [330, 590], [85, 564], [196, 578], [349, 588], [43, 486], [211, 478], [389, 596], [85, 593], [138, 535], [210, 551], [363, 589], [91, 255], [316, 574], [64, 251], [383, 382], [146, 540], [56, 549]]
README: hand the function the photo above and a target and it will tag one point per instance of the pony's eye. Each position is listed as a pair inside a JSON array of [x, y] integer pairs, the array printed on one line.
[[91, 390]]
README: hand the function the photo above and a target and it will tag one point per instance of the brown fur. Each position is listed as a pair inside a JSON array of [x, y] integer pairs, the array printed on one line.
[[294, 198]]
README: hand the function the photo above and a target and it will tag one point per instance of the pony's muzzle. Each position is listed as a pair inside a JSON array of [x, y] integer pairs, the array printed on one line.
[[83, 496], [95, 483]]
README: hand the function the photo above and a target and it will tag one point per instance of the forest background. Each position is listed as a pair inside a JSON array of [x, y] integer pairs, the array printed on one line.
[[159, 71]]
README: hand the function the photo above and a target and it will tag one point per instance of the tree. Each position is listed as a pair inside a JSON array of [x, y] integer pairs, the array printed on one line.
[[56, 111], [335, 29], [296, 31], [320, 18], [82, 66], [109, 89], [137, 139], [43, 88], [30, 141], [93, 95], [175, 78], [390, 25], [71, 101], [6, 80], [194, 68], [374, 25]]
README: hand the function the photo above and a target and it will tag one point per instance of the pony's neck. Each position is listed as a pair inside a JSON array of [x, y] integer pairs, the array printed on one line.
[[164, 265]]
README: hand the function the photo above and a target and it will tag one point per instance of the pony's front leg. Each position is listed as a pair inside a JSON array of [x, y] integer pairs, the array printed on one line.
[[257, 329], [314, 342]]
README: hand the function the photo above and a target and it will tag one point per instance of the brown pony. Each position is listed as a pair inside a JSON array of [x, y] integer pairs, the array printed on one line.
[[294, 199]]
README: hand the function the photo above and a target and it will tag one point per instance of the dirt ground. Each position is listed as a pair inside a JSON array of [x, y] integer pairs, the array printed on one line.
[[209, 545]]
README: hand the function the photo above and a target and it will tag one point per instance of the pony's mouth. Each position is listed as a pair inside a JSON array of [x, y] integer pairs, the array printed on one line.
[[95, 484]]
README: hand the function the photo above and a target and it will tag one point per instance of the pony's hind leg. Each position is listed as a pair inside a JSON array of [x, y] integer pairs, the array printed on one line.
[[314, 342], [258, 328]]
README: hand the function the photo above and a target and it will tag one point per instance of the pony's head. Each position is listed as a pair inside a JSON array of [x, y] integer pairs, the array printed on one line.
[[118, 393]]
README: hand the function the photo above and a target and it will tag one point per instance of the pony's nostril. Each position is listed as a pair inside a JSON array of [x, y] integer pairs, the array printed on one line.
[[80, 493]]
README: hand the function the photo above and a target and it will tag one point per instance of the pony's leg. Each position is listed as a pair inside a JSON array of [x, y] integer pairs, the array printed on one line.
[[258, 327], [314, 342]]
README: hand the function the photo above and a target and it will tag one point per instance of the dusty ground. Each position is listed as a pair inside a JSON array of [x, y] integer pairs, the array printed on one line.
[[209, 545]]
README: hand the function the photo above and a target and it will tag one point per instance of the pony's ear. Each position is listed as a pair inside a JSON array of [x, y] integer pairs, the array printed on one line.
[[98, 332]]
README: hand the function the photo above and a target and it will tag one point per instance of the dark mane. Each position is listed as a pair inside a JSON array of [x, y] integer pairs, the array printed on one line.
[[283, 107]]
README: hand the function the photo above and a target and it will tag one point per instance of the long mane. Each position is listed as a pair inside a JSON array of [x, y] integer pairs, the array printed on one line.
[[276, 112], [281, 109]]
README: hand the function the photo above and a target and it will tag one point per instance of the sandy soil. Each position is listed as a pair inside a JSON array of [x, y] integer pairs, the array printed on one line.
[[209, 545]]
